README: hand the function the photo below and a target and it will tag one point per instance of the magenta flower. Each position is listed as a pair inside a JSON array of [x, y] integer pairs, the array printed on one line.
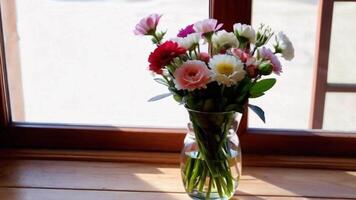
[[147, 25], [269, 55], [186, 31], [193, 74], [207, 26]]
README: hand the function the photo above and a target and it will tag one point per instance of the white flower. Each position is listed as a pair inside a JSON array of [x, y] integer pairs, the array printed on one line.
[[285, 46], [246, 31], [223, 39], [227, 69], [188, 42]]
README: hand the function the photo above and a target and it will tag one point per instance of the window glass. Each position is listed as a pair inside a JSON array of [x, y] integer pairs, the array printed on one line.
[[79, 62], [343, 44], [340, 112], [287, 104]]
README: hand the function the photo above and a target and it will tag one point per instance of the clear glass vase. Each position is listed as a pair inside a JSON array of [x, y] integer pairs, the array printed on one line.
[[211, 156]]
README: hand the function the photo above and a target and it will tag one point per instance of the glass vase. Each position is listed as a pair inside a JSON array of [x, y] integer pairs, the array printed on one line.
[[211, 156]]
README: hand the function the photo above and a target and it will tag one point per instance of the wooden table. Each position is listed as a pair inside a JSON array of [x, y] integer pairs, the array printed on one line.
[[29, 179]]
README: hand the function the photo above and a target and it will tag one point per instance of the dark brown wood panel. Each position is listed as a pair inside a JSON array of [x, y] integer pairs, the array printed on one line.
[[253, 141], [341, 87], [298, 142], [94, 137], [230, 12]]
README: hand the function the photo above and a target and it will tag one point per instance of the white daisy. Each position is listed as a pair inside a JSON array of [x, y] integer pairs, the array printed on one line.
[[227, 69]]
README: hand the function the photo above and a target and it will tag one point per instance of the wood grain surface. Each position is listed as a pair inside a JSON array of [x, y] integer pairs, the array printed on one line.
[[50, 179]]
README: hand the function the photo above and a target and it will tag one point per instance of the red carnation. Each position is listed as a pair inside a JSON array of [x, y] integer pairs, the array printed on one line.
[[163, 55]]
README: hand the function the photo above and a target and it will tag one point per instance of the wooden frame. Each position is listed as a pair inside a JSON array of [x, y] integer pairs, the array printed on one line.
[[173, 158], [12, 50], [321, 64], [320, 84], [5, 115], [254, 141]]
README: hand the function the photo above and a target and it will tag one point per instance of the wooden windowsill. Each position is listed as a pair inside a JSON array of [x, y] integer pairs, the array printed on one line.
[[29, 178]]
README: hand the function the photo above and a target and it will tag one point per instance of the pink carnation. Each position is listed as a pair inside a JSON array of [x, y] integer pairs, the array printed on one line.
[[186, 31], [192, 75], [269, 55], [147, 24], [207, 26]]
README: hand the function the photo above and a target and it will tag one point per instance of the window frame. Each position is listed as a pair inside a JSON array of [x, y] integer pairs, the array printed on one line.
[[253, 141]]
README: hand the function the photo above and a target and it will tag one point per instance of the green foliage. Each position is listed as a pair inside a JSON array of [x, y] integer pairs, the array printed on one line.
[[154, 40], [258, 88], [257, 95], [177, 98], [260, 113], [265, 68], [243, 90], [161, 34], [218, 98], [264, 33], [243, 41], [158, 97], [177, 94], [161, 81]]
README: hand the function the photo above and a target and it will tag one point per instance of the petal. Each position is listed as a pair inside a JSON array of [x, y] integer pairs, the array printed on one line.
[[219, 26]]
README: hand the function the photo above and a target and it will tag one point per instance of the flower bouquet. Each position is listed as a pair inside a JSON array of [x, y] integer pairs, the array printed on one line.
[[214, 86]]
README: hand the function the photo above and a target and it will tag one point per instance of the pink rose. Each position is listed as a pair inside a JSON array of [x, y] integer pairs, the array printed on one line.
[[269, 55], [147, 25], [192, 75]]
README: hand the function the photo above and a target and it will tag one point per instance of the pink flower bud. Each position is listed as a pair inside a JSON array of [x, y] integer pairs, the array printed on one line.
[[244, 56], [203, 56], [252, 71]]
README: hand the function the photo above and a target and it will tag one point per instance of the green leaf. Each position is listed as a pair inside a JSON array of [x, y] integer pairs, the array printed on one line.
[[257, 95], [158, 97], [244, 91], [178, 98], [260, 113], [161, 81], [154, 40], [262, 86]]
